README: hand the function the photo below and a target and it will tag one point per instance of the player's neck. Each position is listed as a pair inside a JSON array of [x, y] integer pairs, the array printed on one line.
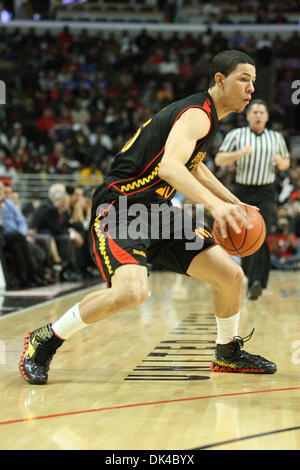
[[221, 107]]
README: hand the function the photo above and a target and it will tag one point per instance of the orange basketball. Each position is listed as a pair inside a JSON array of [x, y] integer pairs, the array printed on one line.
[[248, 241]]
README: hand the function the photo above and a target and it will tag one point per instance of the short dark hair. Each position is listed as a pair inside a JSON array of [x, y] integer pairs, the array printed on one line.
[[226, 61], [256, 101], [70, 188]]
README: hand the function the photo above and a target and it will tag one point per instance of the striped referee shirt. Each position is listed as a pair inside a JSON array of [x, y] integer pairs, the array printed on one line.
[[258, 167]]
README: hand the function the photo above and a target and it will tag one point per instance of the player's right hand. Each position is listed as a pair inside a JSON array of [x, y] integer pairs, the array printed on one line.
[[233, 214]]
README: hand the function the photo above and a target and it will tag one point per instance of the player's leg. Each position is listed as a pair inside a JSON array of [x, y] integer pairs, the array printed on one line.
[[225, 276], [129, 287], [123, 266]]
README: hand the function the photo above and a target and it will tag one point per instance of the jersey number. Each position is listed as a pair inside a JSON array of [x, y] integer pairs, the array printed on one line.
[[133, 139]]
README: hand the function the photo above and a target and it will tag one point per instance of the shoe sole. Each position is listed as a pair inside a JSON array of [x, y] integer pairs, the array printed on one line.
[[21, 365], [249, 370]]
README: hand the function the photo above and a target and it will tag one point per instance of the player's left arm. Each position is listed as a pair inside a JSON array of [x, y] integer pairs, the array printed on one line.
[[282, 158], [203, 174]]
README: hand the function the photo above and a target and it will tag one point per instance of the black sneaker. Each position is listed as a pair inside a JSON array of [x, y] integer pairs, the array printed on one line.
[[255, 291], [39, 347], [230, 358]]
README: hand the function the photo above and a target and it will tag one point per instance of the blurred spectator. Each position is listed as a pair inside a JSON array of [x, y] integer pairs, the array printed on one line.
[[22, 162], [80, 143], [57, 154], [292, 262], [18, 139], [237, 41], [47, 121], [79, 212], [52, 218], [44, 125], [90, 175], [264, 50], [62, 131], [2, 165], [97, 155], [296, 217], [4, 144], [9, 169], [39, 246], [212, 8], [80, 114], [283, 244], [3, 264], [24, 270], [67, 165], [99, 136], [65, 37]]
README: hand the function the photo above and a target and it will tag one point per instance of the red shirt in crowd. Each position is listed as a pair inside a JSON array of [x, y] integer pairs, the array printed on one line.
[[46, 123], [285, 249]]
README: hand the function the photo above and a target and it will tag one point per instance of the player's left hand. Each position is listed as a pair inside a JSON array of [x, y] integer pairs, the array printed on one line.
[[249, 205]]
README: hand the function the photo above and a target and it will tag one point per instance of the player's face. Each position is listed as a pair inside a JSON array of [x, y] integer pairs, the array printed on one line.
[[238, 87], [257, 117]]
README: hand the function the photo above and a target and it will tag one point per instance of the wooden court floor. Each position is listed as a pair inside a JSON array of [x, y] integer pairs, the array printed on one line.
[[140, 380]]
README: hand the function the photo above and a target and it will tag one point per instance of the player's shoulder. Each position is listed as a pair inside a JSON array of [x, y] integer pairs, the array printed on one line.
[[198, 100], [195, 119]]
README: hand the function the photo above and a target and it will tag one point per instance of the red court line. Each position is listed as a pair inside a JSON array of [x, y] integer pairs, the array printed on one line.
[[133, 405]]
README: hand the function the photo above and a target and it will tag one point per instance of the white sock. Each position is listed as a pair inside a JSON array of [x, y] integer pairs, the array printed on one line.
[[69, 323], [227, 328]]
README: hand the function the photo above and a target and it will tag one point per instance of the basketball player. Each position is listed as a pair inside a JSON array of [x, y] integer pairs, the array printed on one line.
[[164, 156], [257, 152]]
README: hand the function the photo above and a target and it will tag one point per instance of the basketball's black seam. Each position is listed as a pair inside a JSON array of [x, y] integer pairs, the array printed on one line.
[[245, 234], [262, 225], [237, 250], [228, 231]]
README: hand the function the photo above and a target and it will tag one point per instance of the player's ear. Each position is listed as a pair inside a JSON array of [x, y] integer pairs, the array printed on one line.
[[219, 79]]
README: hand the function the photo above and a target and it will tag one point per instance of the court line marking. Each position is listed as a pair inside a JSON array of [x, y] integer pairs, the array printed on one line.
[[133, 405], [245, 438]]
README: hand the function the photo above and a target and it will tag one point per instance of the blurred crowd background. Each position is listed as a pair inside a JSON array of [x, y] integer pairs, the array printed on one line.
[[74, 97]]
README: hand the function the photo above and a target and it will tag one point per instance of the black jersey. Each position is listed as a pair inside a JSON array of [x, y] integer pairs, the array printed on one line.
[[134, 170]]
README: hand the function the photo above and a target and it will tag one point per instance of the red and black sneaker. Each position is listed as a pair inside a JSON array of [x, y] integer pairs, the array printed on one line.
[[230, 358], [39, 347]]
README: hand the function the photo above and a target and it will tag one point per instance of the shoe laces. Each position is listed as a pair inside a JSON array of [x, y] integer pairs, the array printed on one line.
[[46, 349], [241, 340], [43, 334]]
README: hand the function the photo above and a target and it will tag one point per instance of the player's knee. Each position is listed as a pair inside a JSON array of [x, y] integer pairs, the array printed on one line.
[[137, 294], [240, 275], [131, 295], [236, 277], [228, 278]]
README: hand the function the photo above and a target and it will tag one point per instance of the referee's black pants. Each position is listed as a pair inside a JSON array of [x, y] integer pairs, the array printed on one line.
[[257, 266]]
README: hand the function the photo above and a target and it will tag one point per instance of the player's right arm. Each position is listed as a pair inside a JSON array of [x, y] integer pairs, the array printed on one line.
[[192, 126]]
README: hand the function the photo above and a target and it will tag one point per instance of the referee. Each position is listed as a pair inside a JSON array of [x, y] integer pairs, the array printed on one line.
[[256, 151]]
